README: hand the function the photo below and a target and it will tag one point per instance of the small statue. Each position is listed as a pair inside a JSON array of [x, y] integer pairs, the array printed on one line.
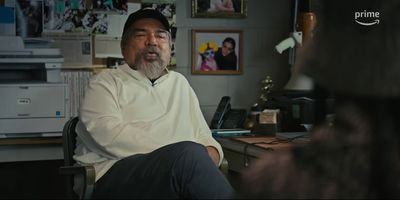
[[267, 85], [258, 107]]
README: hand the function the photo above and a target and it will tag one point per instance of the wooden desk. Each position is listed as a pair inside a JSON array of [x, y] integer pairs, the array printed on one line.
[[240, 152], [29, 168]]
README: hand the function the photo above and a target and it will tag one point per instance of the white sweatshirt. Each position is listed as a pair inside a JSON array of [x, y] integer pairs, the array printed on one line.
[[124, 114]]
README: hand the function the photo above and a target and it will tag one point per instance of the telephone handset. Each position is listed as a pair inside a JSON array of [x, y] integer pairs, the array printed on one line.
[[227, 118], [223, 107]]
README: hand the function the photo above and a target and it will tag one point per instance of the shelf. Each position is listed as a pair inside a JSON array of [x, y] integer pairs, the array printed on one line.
[[23, 141]]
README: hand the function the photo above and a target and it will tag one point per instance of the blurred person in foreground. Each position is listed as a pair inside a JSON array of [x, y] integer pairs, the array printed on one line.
[[357, 155]]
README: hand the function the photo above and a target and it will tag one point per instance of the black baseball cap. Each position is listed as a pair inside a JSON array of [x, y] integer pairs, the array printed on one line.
[[146, 13]]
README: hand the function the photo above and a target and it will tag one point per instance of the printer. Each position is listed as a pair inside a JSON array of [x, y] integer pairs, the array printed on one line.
[[33, 99]]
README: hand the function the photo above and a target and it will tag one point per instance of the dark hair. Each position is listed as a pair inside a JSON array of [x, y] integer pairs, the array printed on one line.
[[356, 155], [366, 58], [230, 40]]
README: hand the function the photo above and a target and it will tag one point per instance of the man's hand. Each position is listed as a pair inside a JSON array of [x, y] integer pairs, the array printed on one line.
[[213, 153]]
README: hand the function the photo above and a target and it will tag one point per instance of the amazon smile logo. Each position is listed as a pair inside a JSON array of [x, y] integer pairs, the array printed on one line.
[[366, 18]]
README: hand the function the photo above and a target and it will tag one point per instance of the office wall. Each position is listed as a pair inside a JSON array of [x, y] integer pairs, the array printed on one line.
[[266, 24]]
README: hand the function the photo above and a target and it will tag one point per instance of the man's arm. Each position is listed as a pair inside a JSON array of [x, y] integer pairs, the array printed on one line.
[[213, 153], [202, 132]]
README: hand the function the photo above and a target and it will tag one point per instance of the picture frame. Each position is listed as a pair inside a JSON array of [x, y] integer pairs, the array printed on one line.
[[217, 51], [219, 8]]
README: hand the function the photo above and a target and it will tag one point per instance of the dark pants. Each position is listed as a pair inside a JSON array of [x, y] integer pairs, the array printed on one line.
[[179, 170]]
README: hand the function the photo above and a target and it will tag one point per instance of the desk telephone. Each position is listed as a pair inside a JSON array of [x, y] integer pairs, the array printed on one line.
[[227, 118]]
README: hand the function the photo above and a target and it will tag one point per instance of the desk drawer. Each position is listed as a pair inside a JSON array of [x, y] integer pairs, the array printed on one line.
[[238, 161]]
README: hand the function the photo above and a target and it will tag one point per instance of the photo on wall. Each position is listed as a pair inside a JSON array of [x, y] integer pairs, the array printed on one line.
[[118, 6], [217, 51], [29, 17], [73, 16], [219, 8]]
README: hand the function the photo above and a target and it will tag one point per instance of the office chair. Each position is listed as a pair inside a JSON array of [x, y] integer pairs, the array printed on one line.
[[85, 175]]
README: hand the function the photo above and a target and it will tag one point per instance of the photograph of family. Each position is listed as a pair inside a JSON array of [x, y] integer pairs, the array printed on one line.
[[219, 8], [216, 52]]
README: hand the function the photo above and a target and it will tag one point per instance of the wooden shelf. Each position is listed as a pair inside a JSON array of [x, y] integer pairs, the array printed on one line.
[[23, 141]]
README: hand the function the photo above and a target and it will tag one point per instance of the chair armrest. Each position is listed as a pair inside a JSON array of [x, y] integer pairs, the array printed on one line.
[[85, 175], [224, 167], [76, 169]]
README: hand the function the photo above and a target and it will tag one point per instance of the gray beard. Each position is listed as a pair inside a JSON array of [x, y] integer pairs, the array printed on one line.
[[152, 70]]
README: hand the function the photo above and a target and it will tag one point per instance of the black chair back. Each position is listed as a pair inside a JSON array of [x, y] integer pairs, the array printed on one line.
[[69, 141], [69, 144]]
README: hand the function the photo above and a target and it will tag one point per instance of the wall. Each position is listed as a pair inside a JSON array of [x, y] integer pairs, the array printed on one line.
[[267, 23]]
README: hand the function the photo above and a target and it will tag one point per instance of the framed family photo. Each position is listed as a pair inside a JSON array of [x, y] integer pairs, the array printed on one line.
[[219, 8], [217, 51]]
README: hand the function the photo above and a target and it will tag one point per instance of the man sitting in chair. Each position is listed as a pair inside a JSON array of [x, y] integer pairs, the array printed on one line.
[[141, 126]]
